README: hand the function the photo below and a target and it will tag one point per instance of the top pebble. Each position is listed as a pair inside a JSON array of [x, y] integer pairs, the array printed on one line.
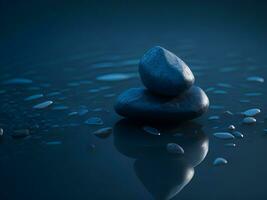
[[164, 73]]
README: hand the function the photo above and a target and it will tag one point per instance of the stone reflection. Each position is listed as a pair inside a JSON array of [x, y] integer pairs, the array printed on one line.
[[163, 174]]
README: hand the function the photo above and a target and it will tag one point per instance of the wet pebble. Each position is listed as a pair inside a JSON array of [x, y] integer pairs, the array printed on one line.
[[43, 105], [251, 112], [220, 161], [238, 134], [256, 79], [249, 120], [20, 133], [174, 148], [151, 130], [103, 132], [1, 132], [33, 97], [94, 121], [164, 73], [229, 113], [224, 135], [231, 127]]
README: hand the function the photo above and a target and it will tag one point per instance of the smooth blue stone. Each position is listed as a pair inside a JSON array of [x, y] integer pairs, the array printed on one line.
[[164, 73], [139, 103]]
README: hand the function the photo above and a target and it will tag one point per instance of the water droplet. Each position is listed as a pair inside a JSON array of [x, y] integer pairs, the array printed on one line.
[[33, 97], [43, 105], [251, 112], [249, 120], [94, 121], [220, 161], [224, 135], [256, 79], [103, 132], [174, 148], [238, 134], [151, 130]]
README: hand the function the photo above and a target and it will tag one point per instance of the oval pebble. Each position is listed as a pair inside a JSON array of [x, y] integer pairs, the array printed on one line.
[[231, 127], [220, 161], [224, 135], [103, 132], [43, 105], [151, 130], [238, 134], [1, 132], [249, 120], [251, 112], [174, 148]]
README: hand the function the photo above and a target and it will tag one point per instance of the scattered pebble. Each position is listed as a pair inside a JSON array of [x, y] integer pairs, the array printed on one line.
[[1, 132], [94, 121], [256, 79], [33, 97], [20, 133], [215, 117], [19, 81], [237, 134], [231, 127], [174, 148], [103, 132], [249, 120], [54, 143], [151, 130], [251, 112], [43, 105], [230, 145], [220, 161], [224, 135]]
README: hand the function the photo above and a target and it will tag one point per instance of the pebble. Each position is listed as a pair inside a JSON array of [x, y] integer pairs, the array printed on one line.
[[103, 132], [139, 103], [1, 132], [20, 133], [174, 148], [251, 112], [256, 79], [231, 127], [94, 121], [249, 120], [220, 161], [151, 130], [238, 134], [224, 135], [33, 97], [227, 112], [230, 144], [215, 117], [43, 105], [164, 73]]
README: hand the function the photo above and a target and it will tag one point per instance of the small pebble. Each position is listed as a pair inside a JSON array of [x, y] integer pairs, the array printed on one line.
[[249, 120], [230, 145], [251, 112], [103, 132], [231, 127], [151, 130], [256, 79], [238, 134], [227, 112], [33, 97], [220, 161], [20, 133], [1, 132], [94, 121], [174, 148], [224, 135], [43, 105]]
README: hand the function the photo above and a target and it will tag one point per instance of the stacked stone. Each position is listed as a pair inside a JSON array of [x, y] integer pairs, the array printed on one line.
[[169, 93]]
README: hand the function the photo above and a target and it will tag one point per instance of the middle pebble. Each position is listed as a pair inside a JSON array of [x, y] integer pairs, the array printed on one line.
[[164, 73]]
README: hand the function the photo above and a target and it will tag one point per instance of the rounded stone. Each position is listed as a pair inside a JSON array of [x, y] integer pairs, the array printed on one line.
[[140, 104], [164, 73]]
